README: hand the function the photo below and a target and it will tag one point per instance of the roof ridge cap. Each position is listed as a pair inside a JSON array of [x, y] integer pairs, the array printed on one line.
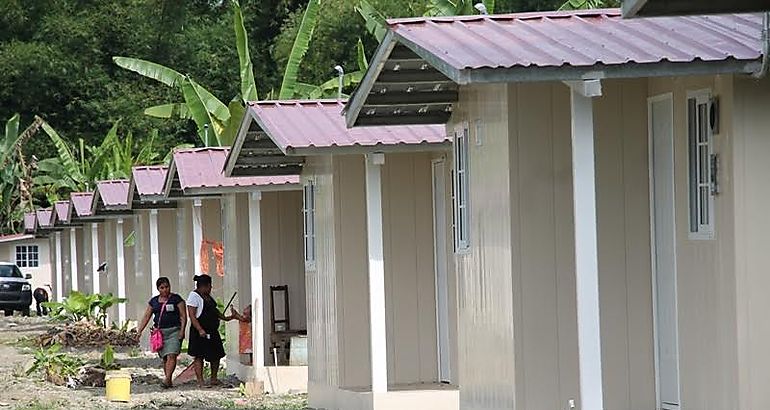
[[526, 15]]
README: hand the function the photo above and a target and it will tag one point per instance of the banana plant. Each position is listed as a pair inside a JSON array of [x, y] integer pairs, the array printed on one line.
[[15, 173], [588, 4], [216, 121]]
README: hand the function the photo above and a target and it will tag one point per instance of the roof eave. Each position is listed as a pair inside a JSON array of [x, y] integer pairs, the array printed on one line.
[[370, 149], [217, 191], [235, 150], [356, 102]]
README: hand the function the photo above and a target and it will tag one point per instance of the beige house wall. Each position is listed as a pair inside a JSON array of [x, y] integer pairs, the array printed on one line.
[[338, 282], [706, 281], [521, 261], [44, 273], [750, 172]]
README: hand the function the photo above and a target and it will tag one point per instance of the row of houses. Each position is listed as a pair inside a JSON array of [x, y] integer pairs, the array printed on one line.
[[531, 211]]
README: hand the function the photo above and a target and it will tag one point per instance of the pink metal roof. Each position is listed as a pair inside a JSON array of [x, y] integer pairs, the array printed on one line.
[[62, 211], [203, 168], [319, 124], [581, 38], [81, 203], [30, 222], [15, 237], [149, 180], [113, 193], [45, 217]]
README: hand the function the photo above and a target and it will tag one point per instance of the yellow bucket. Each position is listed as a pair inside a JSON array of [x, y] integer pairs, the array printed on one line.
[[118, 386]]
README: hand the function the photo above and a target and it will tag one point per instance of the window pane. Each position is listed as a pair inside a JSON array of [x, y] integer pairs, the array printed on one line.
[[703, 164], [704, 209]]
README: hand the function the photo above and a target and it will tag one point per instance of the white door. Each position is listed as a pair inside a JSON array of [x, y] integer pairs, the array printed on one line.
[[442, 281], [664, 250]]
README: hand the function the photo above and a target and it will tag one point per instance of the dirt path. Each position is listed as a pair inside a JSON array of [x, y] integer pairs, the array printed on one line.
[[18, 391]]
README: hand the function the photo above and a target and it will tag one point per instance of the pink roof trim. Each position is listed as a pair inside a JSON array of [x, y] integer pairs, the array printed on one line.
[[203, 168], [320, 124], [15, 237], [30, 222], [81, 202], [113, 193], [581, 39], [62, 211], [45, 217], [149, 180]]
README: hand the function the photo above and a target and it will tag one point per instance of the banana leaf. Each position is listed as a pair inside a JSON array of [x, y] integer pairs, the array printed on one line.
[[64, 152], [375, 21], [490, 4], [9, 142], [237, 110], [298, 50], [248, 85], [155, 71], [201, 114], [361, 56], [172, 110]]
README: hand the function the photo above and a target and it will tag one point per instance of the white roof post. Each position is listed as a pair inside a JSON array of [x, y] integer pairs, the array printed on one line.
[[586, 246], [73, 260], [59, 279], [197, 222], [95, 257], [154, 254], [379, 351], [255, 260], [121, 270]]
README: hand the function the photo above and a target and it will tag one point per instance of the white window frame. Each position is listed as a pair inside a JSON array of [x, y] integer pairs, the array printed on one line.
[[460, 183], [308, 222], [700, 221], [27, 256]]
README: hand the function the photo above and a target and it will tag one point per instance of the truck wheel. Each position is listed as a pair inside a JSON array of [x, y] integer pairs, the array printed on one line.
[[8, 312], [25, 312]]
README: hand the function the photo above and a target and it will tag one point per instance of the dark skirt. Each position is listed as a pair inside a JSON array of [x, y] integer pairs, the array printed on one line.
[[210, 350]]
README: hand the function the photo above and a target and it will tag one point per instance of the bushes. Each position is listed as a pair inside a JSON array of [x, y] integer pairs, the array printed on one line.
[[78, 306]]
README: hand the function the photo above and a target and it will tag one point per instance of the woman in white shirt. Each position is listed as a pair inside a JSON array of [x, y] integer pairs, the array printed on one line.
[[205, 342]]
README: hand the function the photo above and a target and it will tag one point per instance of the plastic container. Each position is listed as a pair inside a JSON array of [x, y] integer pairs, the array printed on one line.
[[298, 351], [118, 386]]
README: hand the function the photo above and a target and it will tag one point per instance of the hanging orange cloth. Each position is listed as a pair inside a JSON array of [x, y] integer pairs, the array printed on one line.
[[219, 256]]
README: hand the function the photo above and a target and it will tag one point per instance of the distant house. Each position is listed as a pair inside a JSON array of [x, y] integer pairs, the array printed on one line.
[[30, 252], [610, 202]]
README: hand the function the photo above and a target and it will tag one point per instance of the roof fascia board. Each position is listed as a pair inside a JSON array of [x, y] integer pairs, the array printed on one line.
[[630, 70], [629, 8], [235, 150], [265, 129], [458, 76], [380, 148], [218, 191], [355, 104], [169, 177]]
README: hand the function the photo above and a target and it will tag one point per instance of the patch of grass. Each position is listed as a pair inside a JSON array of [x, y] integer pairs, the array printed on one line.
[[37, 404], [134, 352]]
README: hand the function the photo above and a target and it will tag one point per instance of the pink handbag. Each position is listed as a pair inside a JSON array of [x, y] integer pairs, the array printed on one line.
[[156, 337]]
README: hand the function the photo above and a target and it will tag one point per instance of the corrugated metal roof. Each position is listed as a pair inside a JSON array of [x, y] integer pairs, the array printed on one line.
[[113, 193], [203, 169], [62, 211], [581, 38], [30, 222], [81, 203], [149, 180], [45, 217], [300, 124]]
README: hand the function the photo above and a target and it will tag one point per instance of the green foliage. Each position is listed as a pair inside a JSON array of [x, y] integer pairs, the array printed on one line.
[[248, 85], [80, 306], [15, 174], [588, 4], [107, 359], [55, 364], [298, 50]]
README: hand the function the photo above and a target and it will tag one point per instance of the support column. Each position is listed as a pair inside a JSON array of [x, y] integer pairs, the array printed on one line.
[[95, 258], [121, 268], [73, 260], [197, 221], [379, 351], [255, 260], [586, 246], [154, 254], [59, 279]]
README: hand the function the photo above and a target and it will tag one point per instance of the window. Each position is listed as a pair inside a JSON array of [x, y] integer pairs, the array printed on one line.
[[460, 187], [27, 256], [308, 211], [701, 166]]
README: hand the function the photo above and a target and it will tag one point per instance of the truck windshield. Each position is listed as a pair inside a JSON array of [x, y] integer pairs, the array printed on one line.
[[10, 271]]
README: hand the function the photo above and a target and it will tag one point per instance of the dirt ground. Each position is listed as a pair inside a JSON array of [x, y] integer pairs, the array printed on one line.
[[18, 391]]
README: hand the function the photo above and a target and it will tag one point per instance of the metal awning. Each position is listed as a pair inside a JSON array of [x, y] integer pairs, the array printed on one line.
[[414, 74], [111, 198], [146, 188]]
